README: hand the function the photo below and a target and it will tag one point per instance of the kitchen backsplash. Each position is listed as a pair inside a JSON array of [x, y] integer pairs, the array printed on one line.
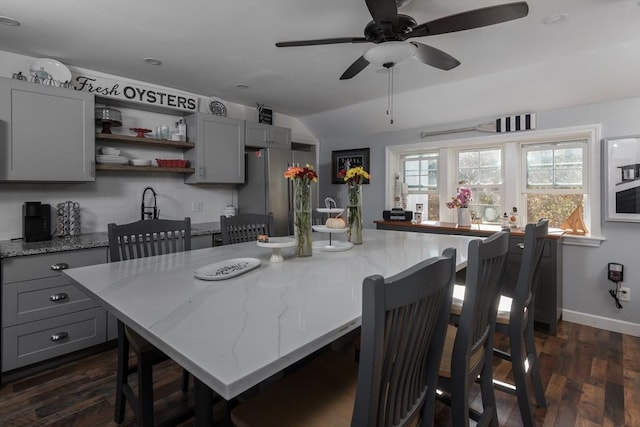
[[114, 198]]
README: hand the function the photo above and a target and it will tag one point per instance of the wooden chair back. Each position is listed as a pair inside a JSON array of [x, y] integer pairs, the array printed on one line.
[[404, 322], [486, 266], [149, 237], [245, 227], [525, 289]]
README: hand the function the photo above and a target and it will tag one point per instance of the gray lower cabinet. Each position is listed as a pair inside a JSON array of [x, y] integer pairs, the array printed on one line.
[[262, 135], [43, 314], [46, 133], [218, 157]]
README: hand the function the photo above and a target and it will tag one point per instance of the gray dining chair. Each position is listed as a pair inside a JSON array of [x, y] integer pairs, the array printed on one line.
[[404, 319], [138, 240], [468, 350], [516, 321], [245, 227]]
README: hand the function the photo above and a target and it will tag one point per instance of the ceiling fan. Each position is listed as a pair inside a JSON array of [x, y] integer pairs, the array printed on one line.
[[390, 30]]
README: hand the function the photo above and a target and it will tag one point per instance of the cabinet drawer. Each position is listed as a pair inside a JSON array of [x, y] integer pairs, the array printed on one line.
[[36, 341], [30, 267], [34, 300]]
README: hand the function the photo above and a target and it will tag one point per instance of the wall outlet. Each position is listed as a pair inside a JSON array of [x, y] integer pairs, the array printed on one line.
[[624, 294], [196, 207]]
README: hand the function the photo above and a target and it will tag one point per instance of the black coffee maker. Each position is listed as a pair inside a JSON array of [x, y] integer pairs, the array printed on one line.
[[36, 221]]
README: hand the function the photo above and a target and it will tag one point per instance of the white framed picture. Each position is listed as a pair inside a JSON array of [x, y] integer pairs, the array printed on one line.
[[621, 158]]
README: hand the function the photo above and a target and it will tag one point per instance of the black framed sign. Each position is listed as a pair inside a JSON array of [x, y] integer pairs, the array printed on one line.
[[342, 160]]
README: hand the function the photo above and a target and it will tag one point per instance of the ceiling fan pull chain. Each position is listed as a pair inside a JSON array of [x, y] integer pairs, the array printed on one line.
[[390, 94]]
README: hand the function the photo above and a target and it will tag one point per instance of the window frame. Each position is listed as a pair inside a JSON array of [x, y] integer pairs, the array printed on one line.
[[512, 196]]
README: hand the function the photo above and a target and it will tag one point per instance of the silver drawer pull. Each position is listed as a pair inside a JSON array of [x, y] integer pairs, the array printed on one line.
[[60, 266], [58, 297], [59, 336], [520, 245]]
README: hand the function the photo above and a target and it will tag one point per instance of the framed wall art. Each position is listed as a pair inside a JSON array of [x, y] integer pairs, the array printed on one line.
[[345, 159], [621, 158]]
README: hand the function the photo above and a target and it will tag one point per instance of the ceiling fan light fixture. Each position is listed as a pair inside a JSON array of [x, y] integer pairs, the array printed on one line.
[[390, 52]]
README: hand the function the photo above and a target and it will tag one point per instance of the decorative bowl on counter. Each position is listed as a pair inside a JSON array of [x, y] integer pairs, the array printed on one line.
[[172, 163]]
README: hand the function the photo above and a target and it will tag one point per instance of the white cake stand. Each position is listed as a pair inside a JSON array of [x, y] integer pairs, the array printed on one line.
[[330, 210], [276, 244], [331, 245]]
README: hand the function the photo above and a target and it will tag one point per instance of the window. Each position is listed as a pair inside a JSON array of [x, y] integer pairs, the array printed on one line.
[[544, 173], [420, 173], [554, 181], [481, 170]]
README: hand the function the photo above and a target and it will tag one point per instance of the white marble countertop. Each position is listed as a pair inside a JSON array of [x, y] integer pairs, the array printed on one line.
[[232, 334]]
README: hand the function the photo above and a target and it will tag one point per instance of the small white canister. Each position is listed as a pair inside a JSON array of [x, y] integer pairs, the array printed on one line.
[[229, 211]]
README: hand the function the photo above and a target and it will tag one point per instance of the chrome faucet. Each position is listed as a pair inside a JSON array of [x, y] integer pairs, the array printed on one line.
[[149, 212]]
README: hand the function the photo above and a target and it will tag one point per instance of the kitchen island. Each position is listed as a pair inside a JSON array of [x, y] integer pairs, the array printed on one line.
[[232, 334]]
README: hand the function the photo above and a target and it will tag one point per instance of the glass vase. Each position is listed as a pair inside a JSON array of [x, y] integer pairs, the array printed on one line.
[[302, 217], [354, 213]]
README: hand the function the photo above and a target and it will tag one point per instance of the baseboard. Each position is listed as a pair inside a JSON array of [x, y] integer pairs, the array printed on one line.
[[605, 323]]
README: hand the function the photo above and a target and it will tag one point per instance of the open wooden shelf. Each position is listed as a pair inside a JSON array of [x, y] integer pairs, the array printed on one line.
[[126, 168], [126, 139]]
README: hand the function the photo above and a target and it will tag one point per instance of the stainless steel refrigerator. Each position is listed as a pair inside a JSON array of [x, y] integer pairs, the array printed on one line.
[[266, 189]]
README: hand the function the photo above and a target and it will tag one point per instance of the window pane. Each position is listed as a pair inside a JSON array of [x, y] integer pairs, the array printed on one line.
[[468, 159], [489, 158], [556, 208], [560, 166], [420, 172]]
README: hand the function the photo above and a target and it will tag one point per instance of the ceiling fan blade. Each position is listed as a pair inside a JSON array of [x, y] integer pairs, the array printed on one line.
[[434, 57], [359, 65], [383, 11], [472, 19], [322, 41]]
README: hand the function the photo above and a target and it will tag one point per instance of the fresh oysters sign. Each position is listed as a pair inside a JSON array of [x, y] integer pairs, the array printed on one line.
[[126, 91]]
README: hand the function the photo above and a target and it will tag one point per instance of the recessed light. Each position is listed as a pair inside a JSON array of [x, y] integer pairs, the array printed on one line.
[[152, 61], [242, 86], [5, 20], [555, 19]]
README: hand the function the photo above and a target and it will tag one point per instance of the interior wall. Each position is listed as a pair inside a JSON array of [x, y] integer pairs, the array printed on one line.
[[118, 197], [585, 285]]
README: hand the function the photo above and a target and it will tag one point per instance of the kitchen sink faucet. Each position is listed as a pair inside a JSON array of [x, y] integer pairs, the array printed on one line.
[[152, 211]]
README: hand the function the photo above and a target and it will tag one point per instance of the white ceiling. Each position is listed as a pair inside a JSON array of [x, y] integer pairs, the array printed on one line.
[[208, 46]]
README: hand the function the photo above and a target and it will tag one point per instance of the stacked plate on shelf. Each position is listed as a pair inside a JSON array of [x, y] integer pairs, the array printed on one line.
[[111, 159]]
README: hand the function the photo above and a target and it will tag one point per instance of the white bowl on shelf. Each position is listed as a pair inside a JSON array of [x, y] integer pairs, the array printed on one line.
[[139, 162], [110, 151]]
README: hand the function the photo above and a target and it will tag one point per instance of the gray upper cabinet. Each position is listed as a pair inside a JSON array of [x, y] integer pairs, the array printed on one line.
[[46, 133], [265, 136], [219, 153]]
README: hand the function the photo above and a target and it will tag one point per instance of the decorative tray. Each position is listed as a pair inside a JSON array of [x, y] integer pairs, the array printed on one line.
[[226, 269], [325, 229]]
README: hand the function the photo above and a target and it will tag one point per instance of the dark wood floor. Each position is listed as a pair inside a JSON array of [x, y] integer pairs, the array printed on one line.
[[591, 377]]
